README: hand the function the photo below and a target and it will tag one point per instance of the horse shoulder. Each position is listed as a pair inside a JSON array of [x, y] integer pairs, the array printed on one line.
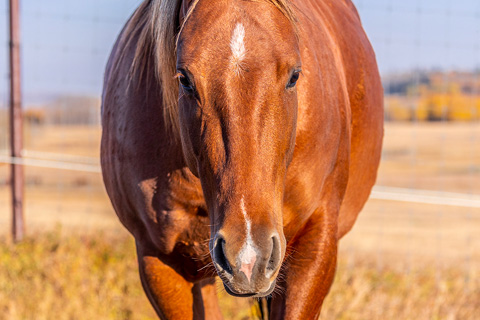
[[366, 103]]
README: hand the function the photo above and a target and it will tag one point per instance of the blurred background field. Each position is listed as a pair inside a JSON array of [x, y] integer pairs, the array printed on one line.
[[403, 260]]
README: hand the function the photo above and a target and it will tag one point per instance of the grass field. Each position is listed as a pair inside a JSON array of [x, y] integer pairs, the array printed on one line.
[[401, 260], [55, 276]]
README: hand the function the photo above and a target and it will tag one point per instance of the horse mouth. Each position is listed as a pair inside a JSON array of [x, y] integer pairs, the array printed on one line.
[[251, 294]]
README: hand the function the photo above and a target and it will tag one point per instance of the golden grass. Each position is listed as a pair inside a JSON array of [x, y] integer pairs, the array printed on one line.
[[362, 290], [437, 156], [58, 276], [54, 277], [68, 139]]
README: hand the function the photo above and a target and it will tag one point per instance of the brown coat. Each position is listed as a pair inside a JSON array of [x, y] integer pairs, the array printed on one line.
[[298, 163]]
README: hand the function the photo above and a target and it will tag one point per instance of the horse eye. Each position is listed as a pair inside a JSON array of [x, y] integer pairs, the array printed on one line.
[[293, 79], [186, 84]]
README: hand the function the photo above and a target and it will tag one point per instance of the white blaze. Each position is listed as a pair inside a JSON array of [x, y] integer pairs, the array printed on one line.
[[237, 45], [248, 256]]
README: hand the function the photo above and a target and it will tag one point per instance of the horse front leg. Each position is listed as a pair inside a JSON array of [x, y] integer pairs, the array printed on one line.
[[171, 295], [309, 272]]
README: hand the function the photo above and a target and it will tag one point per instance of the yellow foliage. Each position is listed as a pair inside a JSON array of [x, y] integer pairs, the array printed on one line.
[[396, 110], [430, 105]]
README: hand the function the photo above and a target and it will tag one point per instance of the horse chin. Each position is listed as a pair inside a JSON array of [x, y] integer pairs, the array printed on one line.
[[252, 294]]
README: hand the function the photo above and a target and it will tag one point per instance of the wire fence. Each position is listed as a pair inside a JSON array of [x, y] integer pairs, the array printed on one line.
[[427, 199]]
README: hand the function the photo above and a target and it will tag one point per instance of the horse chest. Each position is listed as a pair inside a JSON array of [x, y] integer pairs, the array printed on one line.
[[181, 221], [181, 228], [184, 239]]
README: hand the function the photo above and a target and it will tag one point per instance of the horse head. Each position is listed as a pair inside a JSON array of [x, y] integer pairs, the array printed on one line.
[[237, 67]]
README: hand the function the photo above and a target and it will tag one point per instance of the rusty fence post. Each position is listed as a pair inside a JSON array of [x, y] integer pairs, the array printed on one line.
[[16, 125]]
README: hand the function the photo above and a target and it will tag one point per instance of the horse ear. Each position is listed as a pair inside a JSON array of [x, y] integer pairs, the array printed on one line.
[[184, 10]]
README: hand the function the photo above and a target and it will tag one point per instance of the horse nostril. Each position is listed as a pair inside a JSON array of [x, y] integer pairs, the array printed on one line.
[[219, 255], [274, 256]]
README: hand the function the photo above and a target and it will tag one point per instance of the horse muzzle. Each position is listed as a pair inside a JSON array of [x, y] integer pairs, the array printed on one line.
[[250, 271]]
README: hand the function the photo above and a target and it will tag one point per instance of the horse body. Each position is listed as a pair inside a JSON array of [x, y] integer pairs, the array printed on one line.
[[302, 174]]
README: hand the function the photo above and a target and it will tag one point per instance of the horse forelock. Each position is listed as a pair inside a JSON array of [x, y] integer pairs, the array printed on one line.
[[158, 25]]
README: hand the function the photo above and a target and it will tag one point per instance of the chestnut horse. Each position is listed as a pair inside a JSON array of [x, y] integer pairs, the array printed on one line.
[[241, 138]]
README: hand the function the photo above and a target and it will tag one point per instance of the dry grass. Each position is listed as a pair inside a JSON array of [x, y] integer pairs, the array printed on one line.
[[94, 276], [54, 277], [363, 291], [436, 156], [401, 261]]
